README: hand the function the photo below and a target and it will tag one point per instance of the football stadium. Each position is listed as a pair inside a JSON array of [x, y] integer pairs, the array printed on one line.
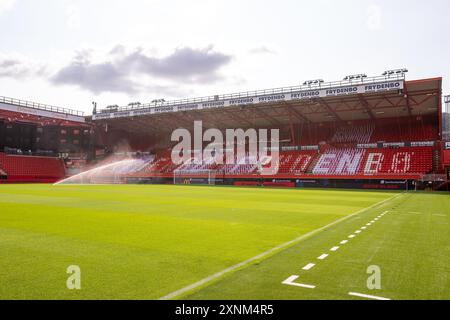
[[350, 201]]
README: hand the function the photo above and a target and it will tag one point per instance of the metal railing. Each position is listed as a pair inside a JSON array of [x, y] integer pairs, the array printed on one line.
[[434, 177], [40, 106], [256, 93]]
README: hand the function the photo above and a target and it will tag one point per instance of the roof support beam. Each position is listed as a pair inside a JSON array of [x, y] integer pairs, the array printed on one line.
[[323, 103], [296, 113], [366, 106], [182, 119], [238, 118], [208, 119], [268, 117], [292, 132], [408, 104]]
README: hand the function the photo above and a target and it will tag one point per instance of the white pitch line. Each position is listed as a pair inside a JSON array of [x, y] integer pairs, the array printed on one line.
[[369, 224], [439, 215], [358, 231], [268, 253], [343, 241], [334, 248], [323, 256], [364, 228], [290, 282], [309, 266], [362, 295], [351, 236]]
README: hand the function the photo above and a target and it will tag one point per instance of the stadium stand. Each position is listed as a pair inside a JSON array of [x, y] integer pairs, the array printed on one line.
[[32, 169], [329, 162], [372, 136]]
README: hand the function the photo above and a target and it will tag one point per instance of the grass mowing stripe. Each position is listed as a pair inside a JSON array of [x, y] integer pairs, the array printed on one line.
[[267, 254]]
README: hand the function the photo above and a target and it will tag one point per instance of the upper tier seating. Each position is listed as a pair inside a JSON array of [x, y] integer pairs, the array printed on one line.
[[354, 134], [386, 130], [402, 133], [32, 169]]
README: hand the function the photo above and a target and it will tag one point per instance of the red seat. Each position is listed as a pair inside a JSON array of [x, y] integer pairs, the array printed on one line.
[[32, 169]]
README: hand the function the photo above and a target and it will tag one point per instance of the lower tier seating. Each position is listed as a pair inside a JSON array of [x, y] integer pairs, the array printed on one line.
[[329, 162], [398, 161], [32, 169], [414, 160]]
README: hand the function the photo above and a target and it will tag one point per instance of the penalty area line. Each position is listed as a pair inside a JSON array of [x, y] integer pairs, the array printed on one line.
[[290, 282], [268, 253]]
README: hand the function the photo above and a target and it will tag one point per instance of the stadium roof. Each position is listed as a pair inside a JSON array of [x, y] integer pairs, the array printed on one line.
[[38, 109], [412, 98]]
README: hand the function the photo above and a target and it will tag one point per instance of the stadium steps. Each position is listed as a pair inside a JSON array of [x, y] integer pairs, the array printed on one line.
[[437, 164], [313, 163]]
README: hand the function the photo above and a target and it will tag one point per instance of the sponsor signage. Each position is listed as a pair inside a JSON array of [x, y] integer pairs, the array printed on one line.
[[367, 145], [395, 144], [41, 113], [447, 145], [422, 144], [291, 96], [298, 148]]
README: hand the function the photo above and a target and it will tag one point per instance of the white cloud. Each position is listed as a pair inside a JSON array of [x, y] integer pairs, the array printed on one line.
[[18, 66], [262, 50], [124, 71], [6, 5]]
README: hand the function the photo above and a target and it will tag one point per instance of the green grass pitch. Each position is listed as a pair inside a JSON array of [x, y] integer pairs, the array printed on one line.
[[149, 242]]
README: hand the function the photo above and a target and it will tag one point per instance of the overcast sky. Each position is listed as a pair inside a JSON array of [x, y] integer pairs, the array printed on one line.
[[72, 52]]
